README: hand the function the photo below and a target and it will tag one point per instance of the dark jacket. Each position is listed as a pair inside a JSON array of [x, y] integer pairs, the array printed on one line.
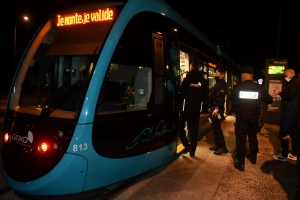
[[194, 93], [217, 95], [290, 115], [290, 89], [247, 96]]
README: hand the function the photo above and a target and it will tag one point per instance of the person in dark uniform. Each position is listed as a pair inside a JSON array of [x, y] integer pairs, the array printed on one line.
[[290, 117], [290, 89], [216, 108], [194, 94], [247, 96]]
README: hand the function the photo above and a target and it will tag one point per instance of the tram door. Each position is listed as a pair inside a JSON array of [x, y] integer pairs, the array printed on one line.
[[185, 61], [164, 86]]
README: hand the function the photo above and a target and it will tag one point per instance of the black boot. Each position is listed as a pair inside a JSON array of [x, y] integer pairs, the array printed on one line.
[[186, 150], [192, 153], [252, 158], [240, 165], [213, 148], [221, 150]]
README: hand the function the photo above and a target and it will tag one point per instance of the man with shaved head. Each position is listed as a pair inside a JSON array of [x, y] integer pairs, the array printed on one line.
[[288, 92], [291, 87]]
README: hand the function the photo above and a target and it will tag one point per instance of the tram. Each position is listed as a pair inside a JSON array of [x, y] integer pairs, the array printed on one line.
[[95, 97]]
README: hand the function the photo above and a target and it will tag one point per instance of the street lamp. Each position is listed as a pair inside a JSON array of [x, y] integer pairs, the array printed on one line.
[[15, 41]]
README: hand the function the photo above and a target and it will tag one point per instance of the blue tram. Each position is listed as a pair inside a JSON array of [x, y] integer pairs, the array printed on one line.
[[95, 97]]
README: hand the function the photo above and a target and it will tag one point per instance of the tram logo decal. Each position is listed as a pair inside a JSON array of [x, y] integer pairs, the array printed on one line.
[[23, 139], [148, 134], [85, 17]]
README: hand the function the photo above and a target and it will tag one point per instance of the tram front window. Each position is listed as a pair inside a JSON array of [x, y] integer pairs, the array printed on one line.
[[54, 72]]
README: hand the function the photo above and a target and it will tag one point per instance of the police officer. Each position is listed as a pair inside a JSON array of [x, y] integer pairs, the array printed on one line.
[[193, 91], [247, 96], [216, 108]]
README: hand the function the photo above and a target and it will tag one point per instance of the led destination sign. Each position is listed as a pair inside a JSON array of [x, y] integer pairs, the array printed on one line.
[[276, 70], [85, 17]]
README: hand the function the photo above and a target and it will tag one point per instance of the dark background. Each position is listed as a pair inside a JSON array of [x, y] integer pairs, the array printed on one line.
[[250, 30]]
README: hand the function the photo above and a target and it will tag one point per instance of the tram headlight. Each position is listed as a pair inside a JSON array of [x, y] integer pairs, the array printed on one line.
[[43, 147], [6, 137]]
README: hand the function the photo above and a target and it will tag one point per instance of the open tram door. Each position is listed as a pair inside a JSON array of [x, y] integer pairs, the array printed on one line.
[[274, 80], [168, 77]]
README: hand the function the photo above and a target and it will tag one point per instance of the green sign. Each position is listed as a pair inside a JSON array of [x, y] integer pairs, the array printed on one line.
[[276, 70]]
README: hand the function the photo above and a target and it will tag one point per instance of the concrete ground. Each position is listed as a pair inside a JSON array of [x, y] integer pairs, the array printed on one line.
[[212, 177], [208, 176]]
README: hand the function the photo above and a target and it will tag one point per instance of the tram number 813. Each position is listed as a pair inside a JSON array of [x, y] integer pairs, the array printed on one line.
[[81, 147]]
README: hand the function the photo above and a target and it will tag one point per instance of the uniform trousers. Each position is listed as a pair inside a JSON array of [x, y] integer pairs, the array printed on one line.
[[193, 119], [218, 133], [246, 126]]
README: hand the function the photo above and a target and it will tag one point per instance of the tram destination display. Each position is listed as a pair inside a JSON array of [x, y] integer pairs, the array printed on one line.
[[87, 17]]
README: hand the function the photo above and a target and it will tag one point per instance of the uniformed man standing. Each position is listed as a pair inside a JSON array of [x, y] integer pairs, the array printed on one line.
[[247, 96], [216, 108]]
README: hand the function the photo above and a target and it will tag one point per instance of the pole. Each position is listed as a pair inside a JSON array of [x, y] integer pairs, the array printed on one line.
[[279, 30]]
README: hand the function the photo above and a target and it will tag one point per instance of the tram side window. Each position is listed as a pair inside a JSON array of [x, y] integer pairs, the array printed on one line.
[[199, 62], [186, 60], [128, 82], [233, 79]]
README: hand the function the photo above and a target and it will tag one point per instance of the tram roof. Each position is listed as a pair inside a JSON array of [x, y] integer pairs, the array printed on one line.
[[165, 9]]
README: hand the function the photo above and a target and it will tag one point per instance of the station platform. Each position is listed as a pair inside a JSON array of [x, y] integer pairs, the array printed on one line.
[[211, 177]]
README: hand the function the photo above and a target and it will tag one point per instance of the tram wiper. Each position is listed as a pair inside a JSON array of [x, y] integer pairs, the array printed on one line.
[[46, 112]]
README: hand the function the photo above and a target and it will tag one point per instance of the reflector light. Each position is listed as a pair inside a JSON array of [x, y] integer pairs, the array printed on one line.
[[6, 137], [55, 146], [43, 147]]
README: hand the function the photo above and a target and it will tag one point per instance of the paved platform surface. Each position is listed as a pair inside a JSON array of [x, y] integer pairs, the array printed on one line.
[[208, 176], [212, 177]]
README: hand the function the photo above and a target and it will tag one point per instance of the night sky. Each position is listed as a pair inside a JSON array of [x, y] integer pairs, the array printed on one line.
[[250, 29]]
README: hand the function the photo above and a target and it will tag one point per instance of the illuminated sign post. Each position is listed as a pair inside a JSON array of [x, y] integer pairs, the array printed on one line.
[[274, 80], [85, 17]]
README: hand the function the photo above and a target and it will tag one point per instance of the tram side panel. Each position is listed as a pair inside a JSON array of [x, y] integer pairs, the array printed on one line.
[[134, 124]]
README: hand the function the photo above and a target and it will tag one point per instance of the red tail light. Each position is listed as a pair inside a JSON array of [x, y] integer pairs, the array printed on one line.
[[43, 147], [6, 137]]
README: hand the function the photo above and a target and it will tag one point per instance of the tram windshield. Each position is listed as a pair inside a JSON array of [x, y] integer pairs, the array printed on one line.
[[57, 66]]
